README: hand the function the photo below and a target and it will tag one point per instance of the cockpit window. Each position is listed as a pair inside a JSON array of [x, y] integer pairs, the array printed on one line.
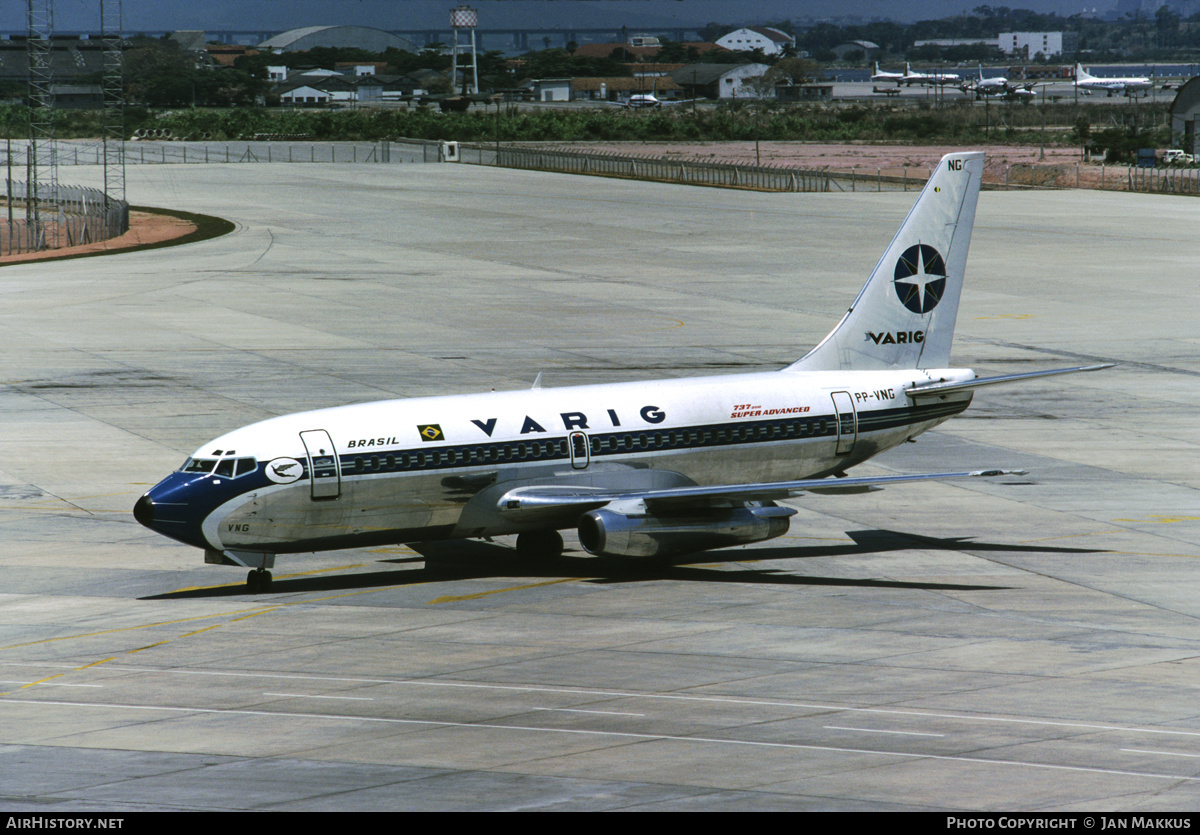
[[225, 467]]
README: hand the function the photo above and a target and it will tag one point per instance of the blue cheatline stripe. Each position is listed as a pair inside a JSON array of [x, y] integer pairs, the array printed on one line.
[[703, 436]]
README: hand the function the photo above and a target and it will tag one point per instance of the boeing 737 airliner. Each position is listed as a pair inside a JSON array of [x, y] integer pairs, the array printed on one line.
[[647, 469]]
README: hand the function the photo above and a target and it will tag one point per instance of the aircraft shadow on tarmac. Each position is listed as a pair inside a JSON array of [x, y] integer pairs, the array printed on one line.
[[477, 560]]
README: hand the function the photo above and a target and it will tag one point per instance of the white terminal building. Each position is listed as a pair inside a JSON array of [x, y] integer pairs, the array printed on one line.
[[1016, 44], [1029, 44]]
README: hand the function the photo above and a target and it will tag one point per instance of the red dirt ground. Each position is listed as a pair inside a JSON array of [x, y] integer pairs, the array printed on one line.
[[1011, 160], [144, 228]]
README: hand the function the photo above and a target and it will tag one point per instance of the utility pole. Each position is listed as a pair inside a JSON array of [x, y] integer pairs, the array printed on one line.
[[1042, 155]]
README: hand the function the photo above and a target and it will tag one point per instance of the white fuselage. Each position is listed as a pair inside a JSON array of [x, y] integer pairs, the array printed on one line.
[[930, 79], [644, 100], [995, 86], [435, 467], [1132, 84]]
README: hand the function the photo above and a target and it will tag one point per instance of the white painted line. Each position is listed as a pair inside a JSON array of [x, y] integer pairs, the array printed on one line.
[[310, 696], [577, 710], [1159, 753], [877, 731]]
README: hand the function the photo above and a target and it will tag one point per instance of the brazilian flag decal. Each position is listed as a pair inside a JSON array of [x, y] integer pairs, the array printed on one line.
[[430, 432]]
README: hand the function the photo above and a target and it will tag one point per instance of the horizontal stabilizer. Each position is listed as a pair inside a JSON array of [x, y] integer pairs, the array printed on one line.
[[942, 389]]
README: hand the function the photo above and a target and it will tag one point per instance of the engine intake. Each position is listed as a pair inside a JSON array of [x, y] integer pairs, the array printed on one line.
[[609, 533]]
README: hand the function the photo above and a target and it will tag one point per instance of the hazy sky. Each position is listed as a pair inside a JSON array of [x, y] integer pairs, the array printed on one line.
[[155, 15]]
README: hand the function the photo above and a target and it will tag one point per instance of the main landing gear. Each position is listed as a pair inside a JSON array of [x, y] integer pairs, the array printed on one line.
[[540, 546], [258, 580]]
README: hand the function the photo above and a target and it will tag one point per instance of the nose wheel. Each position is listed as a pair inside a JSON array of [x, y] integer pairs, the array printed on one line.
[[258, 580]]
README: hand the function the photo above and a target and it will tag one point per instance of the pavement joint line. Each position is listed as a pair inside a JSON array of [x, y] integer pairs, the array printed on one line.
[[119, 629], [236, 616], [566, 691], [628, 735]]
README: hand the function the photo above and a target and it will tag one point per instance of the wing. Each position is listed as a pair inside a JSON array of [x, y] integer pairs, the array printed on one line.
[[581, 499]]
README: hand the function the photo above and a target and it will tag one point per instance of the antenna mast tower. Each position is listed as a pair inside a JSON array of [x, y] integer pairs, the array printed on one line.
[[42, 160], [111, 24]]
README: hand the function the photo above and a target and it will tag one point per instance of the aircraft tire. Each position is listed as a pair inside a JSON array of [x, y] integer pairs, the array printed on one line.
[[541, 546], [258, 580]]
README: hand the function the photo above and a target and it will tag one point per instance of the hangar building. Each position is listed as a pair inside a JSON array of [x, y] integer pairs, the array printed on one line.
[[1185, 116], [363, 37]]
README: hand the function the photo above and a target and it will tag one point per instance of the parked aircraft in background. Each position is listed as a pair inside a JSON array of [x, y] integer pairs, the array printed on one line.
[[912, 77], [994, 86], [639, 100], [643, 469], [456, 102], [1125, 86], [883, 75], [998, 86]]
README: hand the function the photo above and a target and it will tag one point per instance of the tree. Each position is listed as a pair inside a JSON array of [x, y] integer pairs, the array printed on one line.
[[794, 71], [161, 74], [1081, 132], [1166, 22]]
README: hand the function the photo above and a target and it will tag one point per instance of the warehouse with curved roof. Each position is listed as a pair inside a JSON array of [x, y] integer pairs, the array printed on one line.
[[363, 37]]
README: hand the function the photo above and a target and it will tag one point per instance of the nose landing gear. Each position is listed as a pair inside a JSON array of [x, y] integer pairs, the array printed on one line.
[[258, 580]]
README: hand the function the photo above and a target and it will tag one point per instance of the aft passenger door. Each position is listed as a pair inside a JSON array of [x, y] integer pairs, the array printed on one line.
[[324, 475], [847, 422], [580, 450]]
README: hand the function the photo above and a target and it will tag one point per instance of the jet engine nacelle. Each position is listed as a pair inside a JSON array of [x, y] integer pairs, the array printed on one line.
[[609, 533]]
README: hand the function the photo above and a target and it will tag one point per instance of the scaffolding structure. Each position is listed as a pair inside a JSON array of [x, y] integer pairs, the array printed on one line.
[[46, 202], [42, 160], [112, 84]]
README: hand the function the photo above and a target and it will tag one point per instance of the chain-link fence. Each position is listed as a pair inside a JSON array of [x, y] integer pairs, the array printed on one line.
[[725, 173], [166, 152], [68, 216]]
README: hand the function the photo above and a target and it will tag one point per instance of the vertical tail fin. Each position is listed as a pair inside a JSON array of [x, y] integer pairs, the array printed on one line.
[[904, 315]]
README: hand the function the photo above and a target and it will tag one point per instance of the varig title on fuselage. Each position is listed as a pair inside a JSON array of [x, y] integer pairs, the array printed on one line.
[[570, 420]]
